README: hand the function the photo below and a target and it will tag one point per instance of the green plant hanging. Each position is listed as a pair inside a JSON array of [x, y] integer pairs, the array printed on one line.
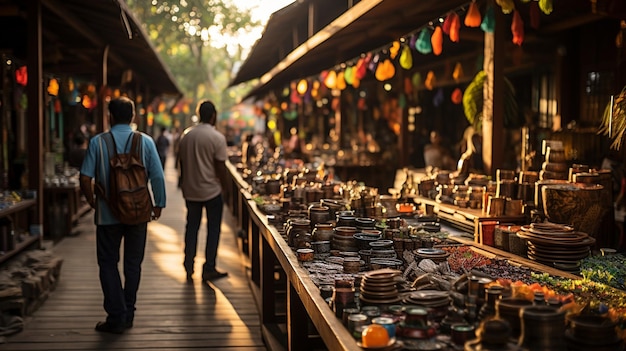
[[613, 122], [473, 100]]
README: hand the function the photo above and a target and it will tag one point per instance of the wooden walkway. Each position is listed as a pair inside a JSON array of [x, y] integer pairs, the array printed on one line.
[[171, 314]]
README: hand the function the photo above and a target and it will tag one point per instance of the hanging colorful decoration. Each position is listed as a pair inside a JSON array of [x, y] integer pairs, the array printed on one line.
[[457, 96], [341, 81], [373, 63], [429, 82], [472, 17], [489, 21], [21, 76], [348, 75], [302, 87], [361, 66], [457, 73], [438, 98], [385, 70], [53, 87], [507, 6], [422, 45], [545, 6], [416, 80], [394, 49], [447, 22], [57, 106], [517, 28], [406, 58], [455, 27], [331, 80], [408, 86], [534, 14], [436, 41]]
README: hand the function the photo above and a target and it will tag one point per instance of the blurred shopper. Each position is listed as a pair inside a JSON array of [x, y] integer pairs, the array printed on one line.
[[203, 180], [163, 146]]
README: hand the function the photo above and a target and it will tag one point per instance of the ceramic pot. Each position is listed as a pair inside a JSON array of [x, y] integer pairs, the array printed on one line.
[[508, 309], [543, 328], [579, 205], [592, 332]]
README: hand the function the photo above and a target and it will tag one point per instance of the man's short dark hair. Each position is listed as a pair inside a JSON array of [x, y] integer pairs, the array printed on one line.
[[206, 111], [122, 109]]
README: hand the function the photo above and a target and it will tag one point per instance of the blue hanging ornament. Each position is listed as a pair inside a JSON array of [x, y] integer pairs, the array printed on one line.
[[488, 24], [438, 98], [423, 44]]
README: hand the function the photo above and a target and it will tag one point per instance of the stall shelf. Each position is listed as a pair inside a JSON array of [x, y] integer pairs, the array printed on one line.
[[63, 206], [278, 280], [18, 213]]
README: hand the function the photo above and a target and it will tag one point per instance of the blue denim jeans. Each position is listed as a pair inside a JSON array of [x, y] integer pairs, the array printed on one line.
[[119, 300], [214, 208]]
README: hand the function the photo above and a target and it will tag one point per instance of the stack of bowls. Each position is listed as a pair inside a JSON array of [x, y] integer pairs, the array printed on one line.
[[343, 239]]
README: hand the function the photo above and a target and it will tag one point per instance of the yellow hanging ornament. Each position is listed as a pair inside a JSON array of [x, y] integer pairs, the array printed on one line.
[[507, 5], [331, 80], [406, 58]]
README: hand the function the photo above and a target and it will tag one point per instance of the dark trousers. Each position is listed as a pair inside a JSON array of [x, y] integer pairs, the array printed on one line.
[[120, 299], [214, 208]]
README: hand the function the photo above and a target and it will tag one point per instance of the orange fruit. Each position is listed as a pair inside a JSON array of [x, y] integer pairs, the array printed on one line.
[[374, 335]]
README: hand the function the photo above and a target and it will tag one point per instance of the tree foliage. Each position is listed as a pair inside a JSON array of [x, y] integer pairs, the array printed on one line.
[[198, 41]]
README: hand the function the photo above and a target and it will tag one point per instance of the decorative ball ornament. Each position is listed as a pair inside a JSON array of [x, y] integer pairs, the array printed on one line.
[[507, 6], [394, 49], [406, 58], [455, 27], [423, 45], [517, 28], [489, 22], [458, 71], [457, 96], [331, 80], [429, 82]]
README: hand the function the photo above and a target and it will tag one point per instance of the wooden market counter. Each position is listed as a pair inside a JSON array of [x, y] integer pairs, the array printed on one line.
[[63, 206], [288, 300]]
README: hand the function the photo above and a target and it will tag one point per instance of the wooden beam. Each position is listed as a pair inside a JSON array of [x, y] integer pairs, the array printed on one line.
[[79, 26], [335, 26], [34, 91]]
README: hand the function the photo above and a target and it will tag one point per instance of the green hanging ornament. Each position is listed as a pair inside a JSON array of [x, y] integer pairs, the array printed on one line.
[[423, 45], [416, 80], [488, 24]]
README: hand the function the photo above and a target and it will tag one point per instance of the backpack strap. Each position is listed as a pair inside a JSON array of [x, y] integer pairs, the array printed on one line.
[[135, 147]]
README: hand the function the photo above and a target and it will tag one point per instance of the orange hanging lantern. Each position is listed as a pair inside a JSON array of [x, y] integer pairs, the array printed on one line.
[[390, 69], [429, 82], [341, 81], [455, 27], [53, 87], [380, 73], [356, 82], [458, 71], [457, 96], [472, 17], [394, 49], [517, 28], [436, 40]]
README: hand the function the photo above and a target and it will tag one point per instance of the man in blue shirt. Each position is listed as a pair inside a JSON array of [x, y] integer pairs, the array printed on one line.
[[119, 299]]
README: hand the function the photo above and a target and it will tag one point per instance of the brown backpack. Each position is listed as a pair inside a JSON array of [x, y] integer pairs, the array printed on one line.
[[129, 198]]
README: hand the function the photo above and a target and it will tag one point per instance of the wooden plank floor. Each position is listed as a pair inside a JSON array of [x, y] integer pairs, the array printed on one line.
[[171, 314]]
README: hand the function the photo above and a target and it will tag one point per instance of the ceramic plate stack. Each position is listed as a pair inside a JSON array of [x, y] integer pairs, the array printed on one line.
[[428, 298], [379, 287], [556, 244], [437, 255]]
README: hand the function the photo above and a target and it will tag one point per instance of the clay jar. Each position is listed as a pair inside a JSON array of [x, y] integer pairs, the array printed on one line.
[[508, 309], [318, 213], [302, 240], [296, 226], [543, 328], [323, 232]]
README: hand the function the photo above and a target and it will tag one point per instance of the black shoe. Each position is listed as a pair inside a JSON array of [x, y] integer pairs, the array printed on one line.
[[214, 275], [108, 327]]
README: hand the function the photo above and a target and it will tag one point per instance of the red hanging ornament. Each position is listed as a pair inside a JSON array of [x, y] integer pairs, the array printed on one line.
[[445, 26], [457, 96], [455, 27], [57, 106], [473, 18], [517, 28], [535, 14], [436, 40], [21, 76]]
